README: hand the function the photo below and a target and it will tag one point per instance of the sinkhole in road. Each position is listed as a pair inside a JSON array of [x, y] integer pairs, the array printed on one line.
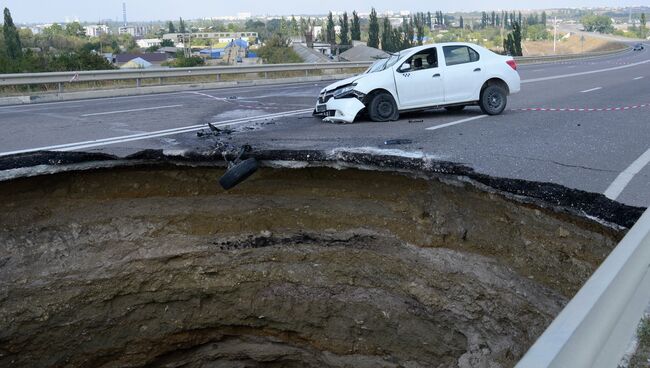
[[314, 267]]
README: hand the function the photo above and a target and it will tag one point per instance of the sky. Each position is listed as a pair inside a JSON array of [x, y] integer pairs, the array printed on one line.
[[47, 11]]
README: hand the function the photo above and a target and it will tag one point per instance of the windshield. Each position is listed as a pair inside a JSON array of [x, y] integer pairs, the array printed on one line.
[[383, 64]]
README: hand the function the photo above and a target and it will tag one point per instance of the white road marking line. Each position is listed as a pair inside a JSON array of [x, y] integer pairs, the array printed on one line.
[[457, 122], [159, 133], [209, 96], [584, 73], [131, 110], [637, 78], [624, 178], [591, 90]]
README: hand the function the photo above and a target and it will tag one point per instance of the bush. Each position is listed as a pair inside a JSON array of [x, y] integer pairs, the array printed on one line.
[[186, 62]]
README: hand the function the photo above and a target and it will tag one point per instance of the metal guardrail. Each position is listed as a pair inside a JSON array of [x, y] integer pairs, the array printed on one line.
[[597, 325], [63, 78]]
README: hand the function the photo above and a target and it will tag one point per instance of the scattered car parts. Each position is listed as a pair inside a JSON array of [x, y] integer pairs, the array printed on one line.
[[238, 169]]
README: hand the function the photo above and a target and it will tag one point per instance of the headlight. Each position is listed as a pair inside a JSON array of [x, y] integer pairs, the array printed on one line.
[[348, 92], [345, 90]]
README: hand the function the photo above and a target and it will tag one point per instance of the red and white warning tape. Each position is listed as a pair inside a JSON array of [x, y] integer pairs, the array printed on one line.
[[624, 108]]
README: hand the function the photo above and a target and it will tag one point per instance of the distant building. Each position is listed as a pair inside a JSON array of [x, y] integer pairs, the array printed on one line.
[[363, 53], [221, 37], [148, 42], [96, 30], [155, 59], [135, 31]]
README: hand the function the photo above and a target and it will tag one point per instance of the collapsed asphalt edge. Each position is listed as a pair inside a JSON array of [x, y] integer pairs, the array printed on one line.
[[592, 206]]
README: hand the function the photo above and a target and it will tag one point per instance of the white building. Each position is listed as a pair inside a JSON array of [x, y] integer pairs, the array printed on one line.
[[96, 30], [148, 42], [135, 31], [244, 15], [220, 37]]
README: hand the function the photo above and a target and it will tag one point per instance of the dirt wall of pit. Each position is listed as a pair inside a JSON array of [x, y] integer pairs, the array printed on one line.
[[157, 266]]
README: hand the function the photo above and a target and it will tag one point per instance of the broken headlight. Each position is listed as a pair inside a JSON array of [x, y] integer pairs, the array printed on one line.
[[348, 92]]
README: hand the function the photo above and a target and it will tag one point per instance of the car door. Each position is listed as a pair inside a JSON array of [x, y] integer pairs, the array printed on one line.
[[463, 73], [418, 80]]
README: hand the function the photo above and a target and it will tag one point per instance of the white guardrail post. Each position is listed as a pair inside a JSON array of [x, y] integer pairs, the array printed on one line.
[[595, 328]]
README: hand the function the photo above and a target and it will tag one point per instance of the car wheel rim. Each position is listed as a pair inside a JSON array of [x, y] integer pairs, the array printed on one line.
[[385, 109], [494, 100]]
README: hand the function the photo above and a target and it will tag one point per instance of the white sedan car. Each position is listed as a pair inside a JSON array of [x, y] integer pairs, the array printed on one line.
[[449, 75]]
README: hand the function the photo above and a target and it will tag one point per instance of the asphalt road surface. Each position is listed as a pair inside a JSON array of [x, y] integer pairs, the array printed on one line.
[[582, 124]]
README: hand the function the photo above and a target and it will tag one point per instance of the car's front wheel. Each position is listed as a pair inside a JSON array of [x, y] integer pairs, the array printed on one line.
[[382, 107], [493, 100]]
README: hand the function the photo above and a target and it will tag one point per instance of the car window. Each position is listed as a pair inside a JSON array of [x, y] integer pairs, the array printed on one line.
[[426, 59], [455, 55]]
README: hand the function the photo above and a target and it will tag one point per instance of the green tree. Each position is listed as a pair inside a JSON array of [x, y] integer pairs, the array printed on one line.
[[331, 31], [166, 43], [516, 36], [181, 26], [373, 30], [544, 18], [277, 50], [171, 27], [642, 28], [597, 23], [387, 36], [293, 25], [356, 27], [461, 22], [13, 46], [75, 29], [419, 27], [345, 29]]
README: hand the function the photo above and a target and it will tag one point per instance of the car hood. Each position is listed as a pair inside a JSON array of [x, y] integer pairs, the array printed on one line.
[[342, 83]]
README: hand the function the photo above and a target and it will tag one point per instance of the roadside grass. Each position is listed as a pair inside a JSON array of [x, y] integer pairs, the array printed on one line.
[[641, 359], [571, 45]]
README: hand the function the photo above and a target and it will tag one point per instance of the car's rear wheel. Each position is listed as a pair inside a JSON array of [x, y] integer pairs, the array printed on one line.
[[493, 100], [455, 108], [382, 107]]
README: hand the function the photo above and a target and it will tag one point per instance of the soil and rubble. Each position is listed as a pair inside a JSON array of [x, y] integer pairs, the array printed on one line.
[[150, 263]]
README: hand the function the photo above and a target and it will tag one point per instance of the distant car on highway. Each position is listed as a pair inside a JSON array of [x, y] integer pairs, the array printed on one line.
[[638, 47], [449, 75]]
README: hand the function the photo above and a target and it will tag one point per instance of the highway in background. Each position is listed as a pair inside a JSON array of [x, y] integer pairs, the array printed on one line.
[[584, 124]]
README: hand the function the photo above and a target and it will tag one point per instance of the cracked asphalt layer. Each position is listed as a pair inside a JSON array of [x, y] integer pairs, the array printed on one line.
[[579, 150]]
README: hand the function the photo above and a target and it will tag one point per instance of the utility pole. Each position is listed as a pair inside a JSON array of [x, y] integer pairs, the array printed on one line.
[[554, 34]]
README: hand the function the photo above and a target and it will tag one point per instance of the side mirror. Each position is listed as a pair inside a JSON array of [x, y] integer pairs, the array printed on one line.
[[405, 67]]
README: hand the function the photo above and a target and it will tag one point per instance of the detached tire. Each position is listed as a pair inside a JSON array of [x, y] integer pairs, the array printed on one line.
[[382, 107], [238, 173], [455, 108], [493, 100]]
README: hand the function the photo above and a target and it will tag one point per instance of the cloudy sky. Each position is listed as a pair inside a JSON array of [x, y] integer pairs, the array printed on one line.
[[91, 10]]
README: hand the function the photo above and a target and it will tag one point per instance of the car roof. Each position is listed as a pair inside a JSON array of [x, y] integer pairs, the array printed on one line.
[[424, 47]]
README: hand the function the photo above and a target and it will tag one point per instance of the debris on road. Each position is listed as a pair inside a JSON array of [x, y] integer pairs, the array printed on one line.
[[391, 142], [214, 131], [416, 121], [238, 169]]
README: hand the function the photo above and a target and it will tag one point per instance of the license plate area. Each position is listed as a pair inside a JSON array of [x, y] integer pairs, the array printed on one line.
[[321, 108]]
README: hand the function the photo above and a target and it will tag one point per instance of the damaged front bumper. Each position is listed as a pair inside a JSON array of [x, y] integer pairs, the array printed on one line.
[[340, 110]]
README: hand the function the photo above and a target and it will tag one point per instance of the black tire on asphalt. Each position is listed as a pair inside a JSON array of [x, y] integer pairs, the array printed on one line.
[[238, 173], [493, 100], [455, 108], [382, 107]]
